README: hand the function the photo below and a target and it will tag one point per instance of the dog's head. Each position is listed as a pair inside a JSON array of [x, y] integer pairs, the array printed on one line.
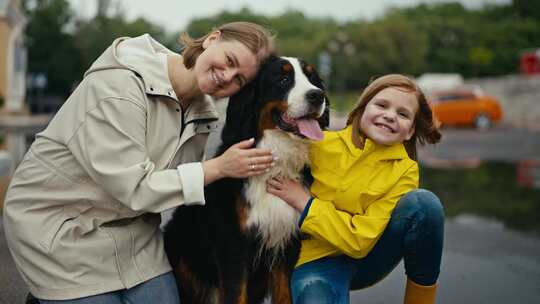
[[287, 94]]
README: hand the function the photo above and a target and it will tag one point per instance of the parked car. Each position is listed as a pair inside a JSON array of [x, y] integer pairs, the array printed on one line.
[[466, 108]]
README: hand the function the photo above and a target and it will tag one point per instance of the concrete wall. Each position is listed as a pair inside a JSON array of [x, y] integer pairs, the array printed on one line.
[[519, 96]]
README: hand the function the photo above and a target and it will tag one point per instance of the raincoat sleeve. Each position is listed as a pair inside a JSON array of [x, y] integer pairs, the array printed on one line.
[[110, 145], [355, 234]]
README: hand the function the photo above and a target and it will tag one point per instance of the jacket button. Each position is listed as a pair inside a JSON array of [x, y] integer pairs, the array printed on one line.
[[208, 126], [169, 93], [177, 110], [151, 89]]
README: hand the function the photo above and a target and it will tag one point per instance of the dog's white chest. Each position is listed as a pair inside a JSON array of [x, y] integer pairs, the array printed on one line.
[[273, 219]]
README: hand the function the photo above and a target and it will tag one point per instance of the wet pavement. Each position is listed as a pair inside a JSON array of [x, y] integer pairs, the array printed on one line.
[[483, 262]]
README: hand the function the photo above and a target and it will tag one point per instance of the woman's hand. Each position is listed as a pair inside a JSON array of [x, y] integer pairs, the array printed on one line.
[[290, 191], [239, 161]]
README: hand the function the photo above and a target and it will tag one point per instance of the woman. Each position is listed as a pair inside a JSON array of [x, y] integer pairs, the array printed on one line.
[[82, 212]]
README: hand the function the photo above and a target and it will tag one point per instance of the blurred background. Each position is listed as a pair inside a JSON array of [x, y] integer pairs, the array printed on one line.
[[478, 62]]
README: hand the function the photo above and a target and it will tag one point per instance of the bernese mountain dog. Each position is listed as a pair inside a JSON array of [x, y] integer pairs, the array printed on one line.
[[242, 245]]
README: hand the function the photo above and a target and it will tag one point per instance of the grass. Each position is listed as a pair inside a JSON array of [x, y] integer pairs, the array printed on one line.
[[489, 191]]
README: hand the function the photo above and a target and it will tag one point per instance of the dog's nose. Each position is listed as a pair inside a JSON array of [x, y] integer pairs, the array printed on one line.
[[315, 97]]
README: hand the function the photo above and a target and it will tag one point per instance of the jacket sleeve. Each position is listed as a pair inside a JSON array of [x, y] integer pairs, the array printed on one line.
[[110, 145], [356, 234]]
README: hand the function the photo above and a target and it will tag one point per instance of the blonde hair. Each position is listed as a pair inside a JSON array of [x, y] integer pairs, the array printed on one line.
[[255, 37], [425, 127]]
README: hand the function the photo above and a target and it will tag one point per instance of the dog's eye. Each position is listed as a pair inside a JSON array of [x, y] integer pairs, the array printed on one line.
[[284, 80]]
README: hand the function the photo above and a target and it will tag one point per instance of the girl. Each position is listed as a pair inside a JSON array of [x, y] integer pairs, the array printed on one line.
[[82, 213], [364, 213]]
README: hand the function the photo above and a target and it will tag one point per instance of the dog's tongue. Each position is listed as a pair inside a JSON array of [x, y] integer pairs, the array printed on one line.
[[310, 128]]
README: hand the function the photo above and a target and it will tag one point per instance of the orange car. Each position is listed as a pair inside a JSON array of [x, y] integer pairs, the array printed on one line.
[[466, 108]]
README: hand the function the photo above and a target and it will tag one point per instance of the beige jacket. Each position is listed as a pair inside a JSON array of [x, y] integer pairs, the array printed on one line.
[[81, 214]]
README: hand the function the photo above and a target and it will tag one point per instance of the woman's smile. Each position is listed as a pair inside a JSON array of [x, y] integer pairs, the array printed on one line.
[[217, 80]]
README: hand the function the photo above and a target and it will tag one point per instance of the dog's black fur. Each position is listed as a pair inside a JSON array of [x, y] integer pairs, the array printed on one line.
[[215, 257]]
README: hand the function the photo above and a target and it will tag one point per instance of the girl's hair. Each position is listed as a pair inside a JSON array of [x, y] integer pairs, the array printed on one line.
[[425, 128], [255, 37]]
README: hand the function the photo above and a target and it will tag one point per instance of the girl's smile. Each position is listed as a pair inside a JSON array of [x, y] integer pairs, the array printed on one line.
[[389, 116]]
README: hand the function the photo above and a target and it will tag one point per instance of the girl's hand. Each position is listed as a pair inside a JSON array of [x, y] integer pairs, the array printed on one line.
[[239, 161], [290, 191]]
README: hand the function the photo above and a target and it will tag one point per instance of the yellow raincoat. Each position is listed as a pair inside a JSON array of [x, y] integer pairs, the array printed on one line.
[[354, 193]]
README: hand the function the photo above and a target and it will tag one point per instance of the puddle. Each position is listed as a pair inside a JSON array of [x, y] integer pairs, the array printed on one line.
[[490, 194]]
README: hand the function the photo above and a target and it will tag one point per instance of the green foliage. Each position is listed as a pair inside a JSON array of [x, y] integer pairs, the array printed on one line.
[[474, 43], [51, 50], [343, 102], [527, 8], [63, 48], [200, 26], [490, 191], [382, 47], [94, 36], [296, 35], [438, 37]]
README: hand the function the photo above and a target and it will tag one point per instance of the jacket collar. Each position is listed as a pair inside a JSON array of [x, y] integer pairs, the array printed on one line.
[[148, 58], [396, 151], [202, 108], [142, 55]]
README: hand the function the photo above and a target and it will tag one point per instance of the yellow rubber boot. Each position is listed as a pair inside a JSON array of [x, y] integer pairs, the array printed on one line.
[[419, 294]]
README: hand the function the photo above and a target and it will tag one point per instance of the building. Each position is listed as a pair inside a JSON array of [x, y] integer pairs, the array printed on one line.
[[12, 56]]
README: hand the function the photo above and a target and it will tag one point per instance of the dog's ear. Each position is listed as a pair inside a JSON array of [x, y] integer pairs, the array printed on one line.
[[324, 120], [316, 80], [240, 123]]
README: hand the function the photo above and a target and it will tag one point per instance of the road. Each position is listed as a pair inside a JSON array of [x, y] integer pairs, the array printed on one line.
[[482, 263], [500, 143]]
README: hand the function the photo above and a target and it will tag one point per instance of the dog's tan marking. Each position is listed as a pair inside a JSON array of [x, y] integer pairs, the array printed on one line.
[[310, 68], [194, 288], [266, 122], [287, 68], [243, 296], [281, 292], [240, 298], [242, 211]]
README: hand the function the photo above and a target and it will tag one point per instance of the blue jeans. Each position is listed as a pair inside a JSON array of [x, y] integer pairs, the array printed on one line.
[[414, 233], [161, 289]]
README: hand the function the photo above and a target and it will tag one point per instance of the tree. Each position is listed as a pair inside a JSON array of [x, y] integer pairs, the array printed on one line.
[[95, 35], [62, 47], [388, 45], [51, 49], [527, 8]]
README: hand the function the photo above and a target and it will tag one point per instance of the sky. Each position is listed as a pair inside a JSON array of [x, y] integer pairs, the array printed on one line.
[[174, 15]]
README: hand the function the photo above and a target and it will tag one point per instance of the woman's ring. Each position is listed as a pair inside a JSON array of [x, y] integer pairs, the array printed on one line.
[[252, 167]]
